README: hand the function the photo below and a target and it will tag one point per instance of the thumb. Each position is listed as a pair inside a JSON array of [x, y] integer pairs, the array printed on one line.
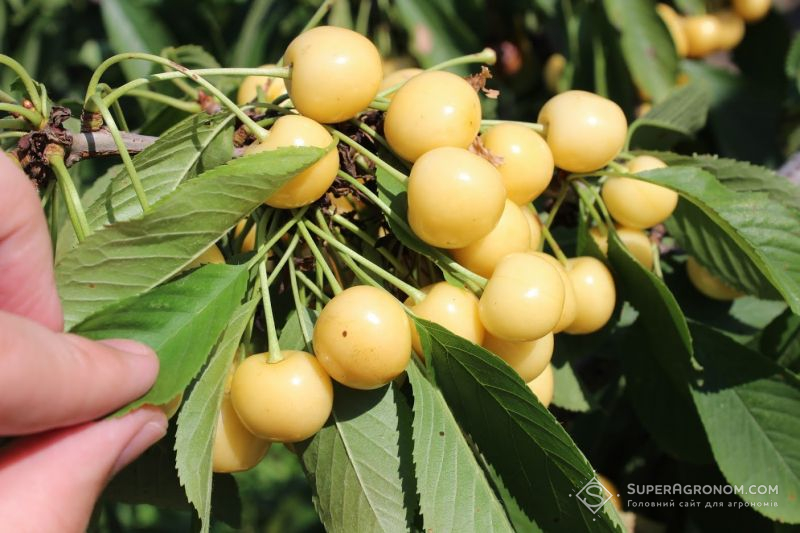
[[51, 481]]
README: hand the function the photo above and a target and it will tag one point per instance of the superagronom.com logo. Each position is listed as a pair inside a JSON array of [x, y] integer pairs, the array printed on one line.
[[594, 495]]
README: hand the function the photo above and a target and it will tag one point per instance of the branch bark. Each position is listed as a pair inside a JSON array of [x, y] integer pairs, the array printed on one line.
[[99, 143]]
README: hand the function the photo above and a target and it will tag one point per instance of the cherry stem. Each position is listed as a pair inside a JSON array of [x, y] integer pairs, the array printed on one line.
[[322, 263], [588, 202], [554, 245], [562, 195], [371, 242], [656, 260], [26, 80], [599, 199], [264, 248], [486, 56], [284, 258], [328, 237], [273, 348], [318, 15], [71, 198], [618, 167], [399, 176], [298, 305], [372, 133], [535, 126], [31, 115], [313, 287], [442, 260], [182, 105], [353, 266], [138, 188]]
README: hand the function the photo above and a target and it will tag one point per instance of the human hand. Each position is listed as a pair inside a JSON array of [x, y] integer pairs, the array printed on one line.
[[54, 385]]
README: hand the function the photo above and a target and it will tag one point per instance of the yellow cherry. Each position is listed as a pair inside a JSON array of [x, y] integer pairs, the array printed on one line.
[[336, 73], [570, 302], [674, 24], [235, 448], [362, 338], [554, 71], [287, 401], [702, 35], [248, 90], [612, 489], [535, 227], [752, 10], [524, 298], [452, 308], [529, 359], [432, 110], [396, 77], [731, 29], [595, 294], [249, 240], [454, 197], [543, 386], [309, 185], [635, 240], [709, 284], [584, 131], [511, 234], [638, 204], [527, 166], [212, 255]]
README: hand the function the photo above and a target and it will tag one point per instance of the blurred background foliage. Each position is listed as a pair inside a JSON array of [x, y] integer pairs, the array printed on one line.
[[614, 47]]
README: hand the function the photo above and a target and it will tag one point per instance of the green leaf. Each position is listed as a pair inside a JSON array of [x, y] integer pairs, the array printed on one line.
[[197, 144], [197, 421], [793, 62], [679, 116], [568, 391], [129, 258], [780, 341], [520, 440], [747, 239], [749, 408], [359, 464], [181, 321], [133, 27], [646, 45], [454, 492]]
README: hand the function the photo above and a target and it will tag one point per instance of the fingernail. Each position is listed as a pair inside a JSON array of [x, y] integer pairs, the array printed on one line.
[[151, 432]]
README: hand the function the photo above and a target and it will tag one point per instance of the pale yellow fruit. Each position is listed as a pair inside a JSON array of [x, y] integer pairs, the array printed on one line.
[[454, 197], [535, 227], [452, 308], [570, 302], [235, 448], [335, 74], [529, 359], [635, 240], [635, 203], [731, 29], [397, 77], [524, 298], [595, 294], [554, 71], [584, 131], [362, 338], [272, 87], [752, 10], [674, 24], [709, 284], [309, 185], [212, 255], [287, 401], [511, 234], [702, 35], [249, 240], [612, 489], [543, 386], [527, 166], [432, 110]]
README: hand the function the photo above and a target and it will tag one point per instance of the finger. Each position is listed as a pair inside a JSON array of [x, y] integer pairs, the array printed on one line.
[[27, 286], [51, 481], [50, 379]]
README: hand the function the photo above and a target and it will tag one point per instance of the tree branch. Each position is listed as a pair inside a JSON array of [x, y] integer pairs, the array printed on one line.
[[100, 143]]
